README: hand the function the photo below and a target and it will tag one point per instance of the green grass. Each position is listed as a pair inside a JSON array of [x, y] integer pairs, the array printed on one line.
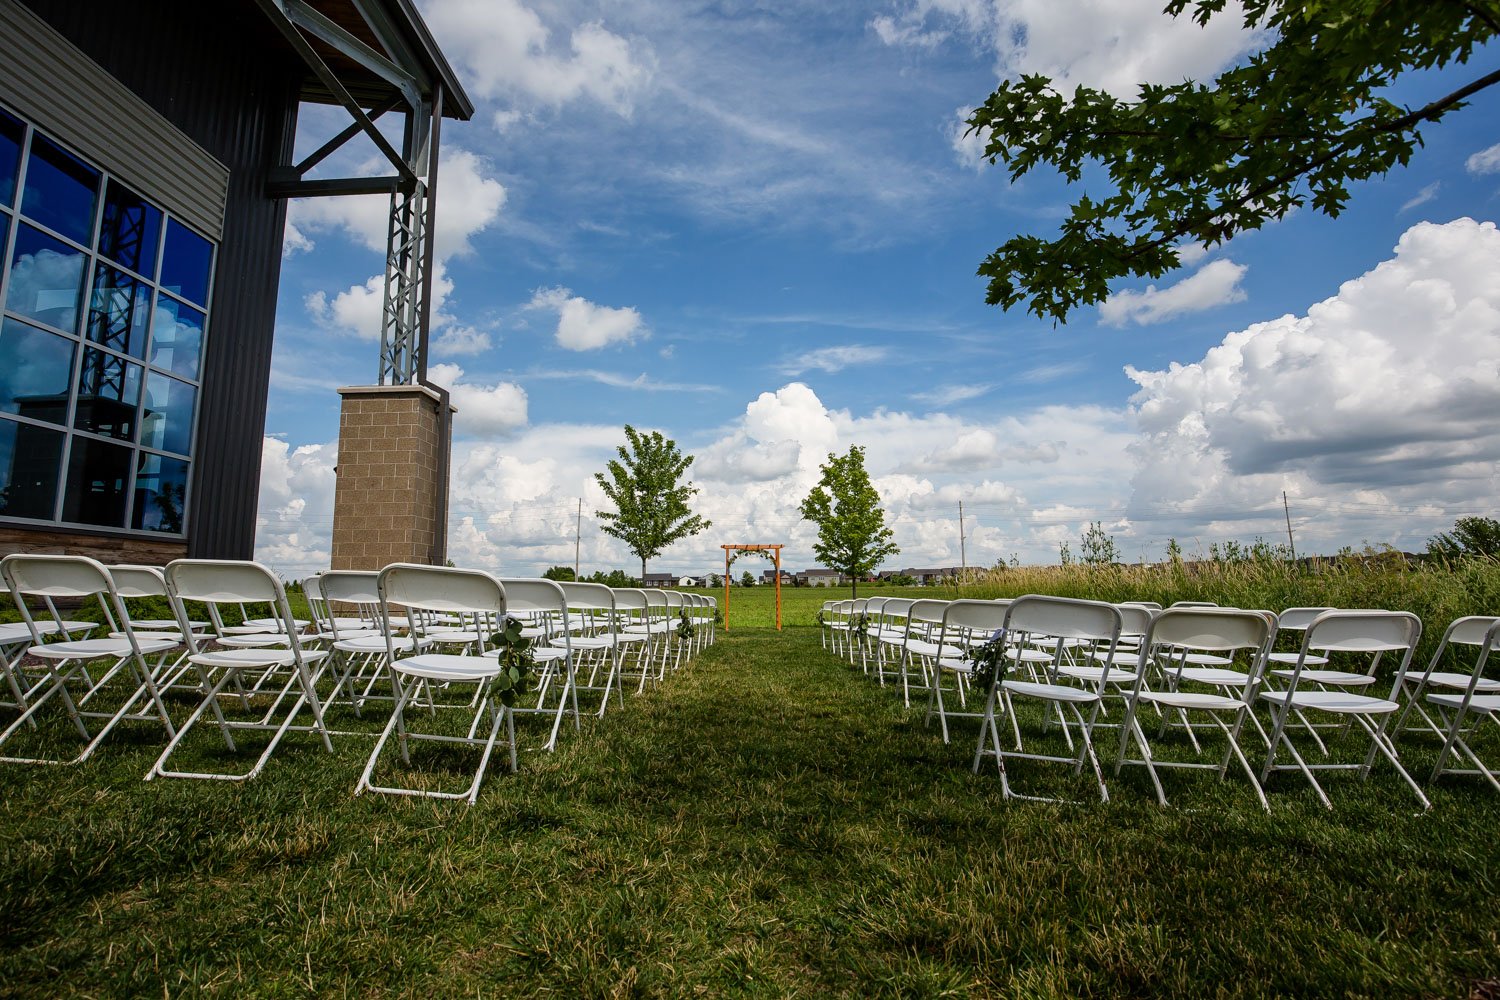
[[767, 823]]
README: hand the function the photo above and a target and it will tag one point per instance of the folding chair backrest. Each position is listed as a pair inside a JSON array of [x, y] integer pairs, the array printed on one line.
[[443, 589], [1135, 619], [1363, 631], [927, 610], [897, 607], [55, 576], [1469, 631], [674, 599], [138, 581], [973, 615], [1210, 629], [1299, 618], [630, 599], [534, 594], [873, 605], [349, 586], [1148, 605], [1193, 604], [588, 596], [223, 581], [1064, 618]]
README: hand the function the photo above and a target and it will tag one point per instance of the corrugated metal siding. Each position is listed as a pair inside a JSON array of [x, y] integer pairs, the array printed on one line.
[[48, 80], [216, 72]]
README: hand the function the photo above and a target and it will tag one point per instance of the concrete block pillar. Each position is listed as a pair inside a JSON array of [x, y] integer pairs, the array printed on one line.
[[390, 493]]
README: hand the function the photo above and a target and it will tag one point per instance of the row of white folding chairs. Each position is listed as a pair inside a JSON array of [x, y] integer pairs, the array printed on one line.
[[1303, 680], [273, 656]]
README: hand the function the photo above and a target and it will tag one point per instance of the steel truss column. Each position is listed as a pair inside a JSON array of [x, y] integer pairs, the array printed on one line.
[[407, 282]]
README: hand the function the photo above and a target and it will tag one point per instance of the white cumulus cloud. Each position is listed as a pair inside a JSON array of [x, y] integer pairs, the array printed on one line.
[[586, 326], [1486, 161], [483, 410], [1216, 283]]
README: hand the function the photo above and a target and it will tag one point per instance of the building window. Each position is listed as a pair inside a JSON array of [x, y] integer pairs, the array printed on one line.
[[107, 299]]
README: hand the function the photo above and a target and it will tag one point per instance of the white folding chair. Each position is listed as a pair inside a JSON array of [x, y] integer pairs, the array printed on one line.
[[1062, 619], [1210, 630], [1467, 636], [922, 646], [540, 597], [360, 654], [441, 590], [65, 672], [597, 637], [281, 674], [965, 624], [1467, 709], [634, 637], [1360, 632]]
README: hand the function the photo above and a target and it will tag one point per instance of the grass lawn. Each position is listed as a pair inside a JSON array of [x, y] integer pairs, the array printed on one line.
[[767, 823]]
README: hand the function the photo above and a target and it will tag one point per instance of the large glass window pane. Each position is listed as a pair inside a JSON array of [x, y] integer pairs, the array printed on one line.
[[60, 190], [160, 494], [176, 337], [98, 475], [168, 421], [11, 133], [186, 259], [130, 230], [118, 311], [36, 368], [29, 458], [46, 279], [109, 388]]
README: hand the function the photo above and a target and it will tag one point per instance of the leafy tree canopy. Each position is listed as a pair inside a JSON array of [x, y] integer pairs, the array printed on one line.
[[650, 496], [852, 535], [564, 573], [1295, 124], [1471, 536]]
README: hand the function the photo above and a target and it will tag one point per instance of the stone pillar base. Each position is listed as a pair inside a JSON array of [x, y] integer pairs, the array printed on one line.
[[390, 493]]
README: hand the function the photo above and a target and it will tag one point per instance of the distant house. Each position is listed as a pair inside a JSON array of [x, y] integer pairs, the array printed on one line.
[[768, 577], [659, 580], [928, 577], [820, 578]]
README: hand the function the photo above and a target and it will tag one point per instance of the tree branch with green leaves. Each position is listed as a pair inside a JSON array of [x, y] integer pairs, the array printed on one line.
[[1295, 124]]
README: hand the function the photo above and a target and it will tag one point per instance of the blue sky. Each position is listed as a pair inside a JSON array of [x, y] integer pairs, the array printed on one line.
[[755, 227]]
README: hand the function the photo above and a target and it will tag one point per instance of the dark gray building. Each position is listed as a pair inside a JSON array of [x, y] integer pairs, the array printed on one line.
[[145, 166]]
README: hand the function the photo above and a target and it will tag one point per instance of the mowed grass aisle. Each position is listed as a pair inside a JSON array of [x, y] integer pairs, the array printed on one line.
[[768, 823]]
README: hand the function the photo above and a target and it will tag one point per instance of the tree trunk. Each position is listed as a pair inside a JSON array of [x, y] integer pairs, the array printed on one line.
[[643, 571]]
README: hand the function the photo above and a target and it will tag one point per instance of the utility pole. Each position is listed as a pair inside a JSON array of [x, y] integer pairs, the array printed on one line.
[[963, 558], [1288, 511], [577, 537]]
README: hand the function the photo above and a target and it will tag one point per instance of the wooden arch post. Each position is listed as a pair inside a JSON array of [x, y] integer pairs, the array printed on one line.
[[775, 551]]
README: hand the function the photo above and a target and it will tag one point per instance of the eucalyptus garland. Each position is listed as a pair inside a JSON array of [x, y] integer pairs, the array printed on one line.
[[990, 661], [685, 629], [517, 662]]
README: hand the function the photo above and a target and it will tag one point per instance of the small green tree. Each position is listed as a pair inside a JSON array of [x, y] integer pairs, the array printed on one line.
[[1471, 536], [563, 573], [852, 535], [1097, 547], [747, 579], [651, 499]]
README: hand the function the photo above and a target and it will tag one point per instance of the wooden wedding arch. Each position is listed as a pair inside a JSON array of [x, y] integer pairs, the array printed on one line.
[[775, 551]]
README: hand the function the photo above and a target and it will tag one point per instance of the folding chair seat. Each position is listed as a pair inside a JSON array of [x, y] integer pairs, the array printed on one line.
[[282, 674], [1464, 637], [596, 637], [1091, 622], [439, 589], [1465, 708], [1216, 631], [1359, 632], [556, 663], [1120, 665], [130, 679]]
